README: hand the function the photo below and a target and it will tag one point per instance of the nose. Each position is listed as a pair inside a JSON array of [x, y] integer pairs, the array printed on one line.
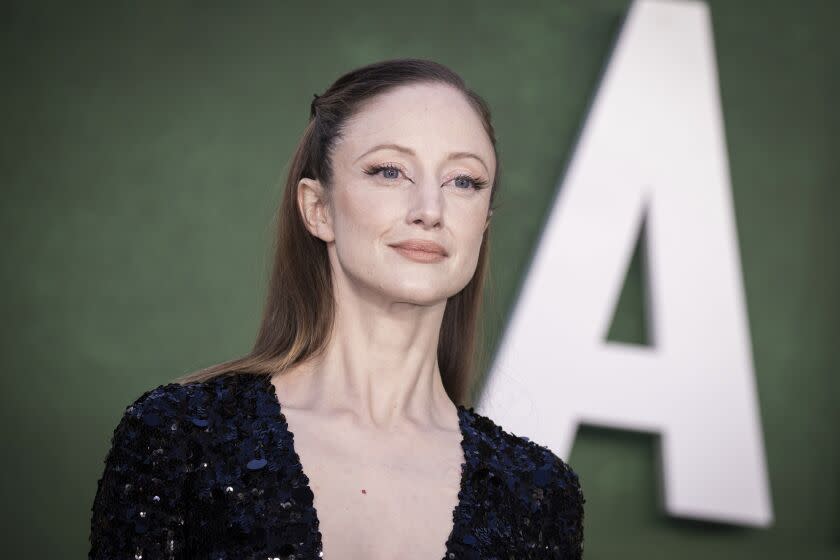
[[426, 204]]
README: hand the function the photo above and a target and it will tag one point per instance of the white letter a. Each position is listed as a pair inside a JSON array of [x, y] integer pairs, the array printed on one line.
[[653, 151]]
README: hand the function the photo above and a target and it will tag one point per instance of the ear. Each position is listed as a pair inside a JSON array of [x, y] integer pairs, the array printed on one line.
[[487, 223], [314, 208]]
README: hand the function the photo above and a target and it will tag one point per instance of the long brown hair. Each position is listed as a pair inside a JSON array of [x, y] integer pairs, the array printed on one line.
[[299, 311]]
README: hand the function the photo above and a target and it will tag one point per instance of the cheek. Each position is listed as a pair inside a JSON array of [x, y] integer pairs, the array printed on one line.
[[361, 217], [473, 230], [477, 232], [470, 235]]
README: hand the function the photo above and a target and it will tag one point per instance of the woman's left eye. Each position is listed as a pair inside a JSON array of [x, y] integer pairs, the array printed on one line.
[[476, 183]]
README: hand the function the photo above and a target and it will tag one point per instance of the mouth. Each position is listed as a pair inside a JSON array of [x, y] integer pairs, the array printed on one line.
[[425, 253], [421, 245]]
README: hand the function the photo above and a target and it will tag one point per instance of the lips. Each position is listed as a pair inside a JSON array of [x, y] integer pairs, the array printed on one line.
[[421, 245]]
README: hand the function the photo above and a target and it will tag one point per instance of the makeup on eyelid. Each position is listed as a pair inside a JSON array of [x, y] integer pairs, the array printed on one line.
[[373, 170]]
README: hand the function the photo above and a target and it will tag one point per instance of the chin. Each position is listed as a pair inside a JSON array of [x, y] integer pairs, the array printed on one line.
[[419, 295]]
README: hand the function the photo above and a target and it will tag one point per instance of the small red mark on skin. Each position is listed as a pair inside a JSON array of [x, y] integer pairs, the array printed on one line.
[[364, 491]]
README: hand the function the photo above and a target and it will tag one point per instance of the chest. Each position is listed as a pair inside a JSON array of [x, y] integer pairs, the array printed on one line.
[[378, 501], [350, 499]]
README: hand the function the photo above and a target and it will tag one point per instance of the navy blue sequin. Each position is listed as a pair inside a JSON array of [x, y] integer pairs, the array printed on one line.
[[209, 470]]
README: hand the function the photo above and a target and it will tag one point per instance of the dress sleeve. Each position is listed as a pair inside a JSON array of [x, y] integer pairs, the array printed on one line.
[[138, 509], [564, 519], [575, 517]]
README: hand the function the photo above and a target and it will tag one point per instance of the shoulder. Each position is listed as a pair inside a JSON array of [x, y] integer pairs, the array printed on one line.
[[158, 406], [547, 489], [540, 477], [172, 420], [192, 402], [528, 456], [169, 422], [173, 416]]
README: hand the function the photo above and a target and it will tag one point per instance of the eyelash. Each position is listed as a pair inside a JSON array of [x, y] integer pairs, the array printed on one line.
[[477, 184]]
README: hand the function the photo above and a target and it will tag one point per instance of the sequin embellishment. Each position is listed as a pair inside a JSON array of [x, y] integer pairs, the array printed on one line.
[[208, 470]]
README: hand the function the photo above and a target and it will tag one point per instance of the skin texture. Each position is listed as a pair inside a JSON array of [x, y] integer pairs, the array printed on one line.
[[374, 428]]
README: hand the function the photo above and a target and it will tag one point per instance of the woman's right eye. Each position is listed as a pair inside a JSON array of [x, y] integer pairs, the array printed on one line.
[[391, 171]]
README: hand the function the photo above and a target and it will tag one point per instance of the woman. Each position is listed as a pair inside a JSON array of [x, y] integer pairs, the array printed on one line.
[[342, 435]]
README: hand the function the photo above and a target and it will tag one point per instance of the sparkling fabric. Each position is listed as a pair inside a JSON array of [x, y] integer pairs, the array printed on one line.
[[208, 470]]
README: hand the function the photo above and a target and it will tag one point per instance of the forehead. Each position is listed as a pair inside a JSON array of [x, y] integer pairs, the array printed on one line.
[[432, 119]]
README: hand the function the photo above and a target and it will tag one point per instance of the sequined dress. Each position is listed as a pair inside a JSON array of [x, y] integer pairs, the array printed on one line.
[[208, 470]]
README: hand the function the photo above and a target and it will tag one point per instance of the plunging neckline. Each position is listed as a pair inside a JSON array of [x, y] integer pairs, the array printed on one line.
[[456, 511]]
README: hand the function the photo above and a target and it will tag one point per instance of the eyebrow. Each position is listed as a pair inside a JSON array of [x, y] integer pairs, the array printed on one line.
[[409, 151]]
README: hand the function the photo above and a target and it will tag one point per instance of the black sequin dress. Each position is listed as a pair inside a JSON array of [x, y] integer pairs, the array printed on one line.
[[208, 470]]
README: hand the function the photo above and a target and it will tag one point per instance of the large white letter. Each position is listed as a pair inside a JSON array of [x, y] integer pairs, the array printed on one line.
[[653, 151]]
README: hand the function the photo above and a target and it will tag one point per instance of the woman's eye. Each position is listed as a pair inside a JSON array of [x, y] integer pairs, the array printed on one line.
[[390, 171], [470, 182]]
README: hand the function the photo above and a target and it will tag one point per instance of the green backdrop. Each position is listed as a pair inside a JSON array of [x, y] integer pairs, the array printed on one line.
[[143, 147]]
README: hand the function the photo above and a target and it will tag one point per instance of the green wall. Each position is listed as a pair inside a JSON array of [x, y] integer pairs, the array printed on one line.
[[143, 147]]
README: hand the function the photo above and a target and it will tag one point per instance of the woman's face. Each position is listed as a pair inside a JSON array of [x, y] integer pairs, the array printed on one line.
[[406, 168]]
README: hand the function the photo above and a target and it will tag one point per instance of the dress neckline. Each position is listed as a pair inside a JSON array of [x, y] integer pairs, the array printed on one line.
[[456, 511]]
